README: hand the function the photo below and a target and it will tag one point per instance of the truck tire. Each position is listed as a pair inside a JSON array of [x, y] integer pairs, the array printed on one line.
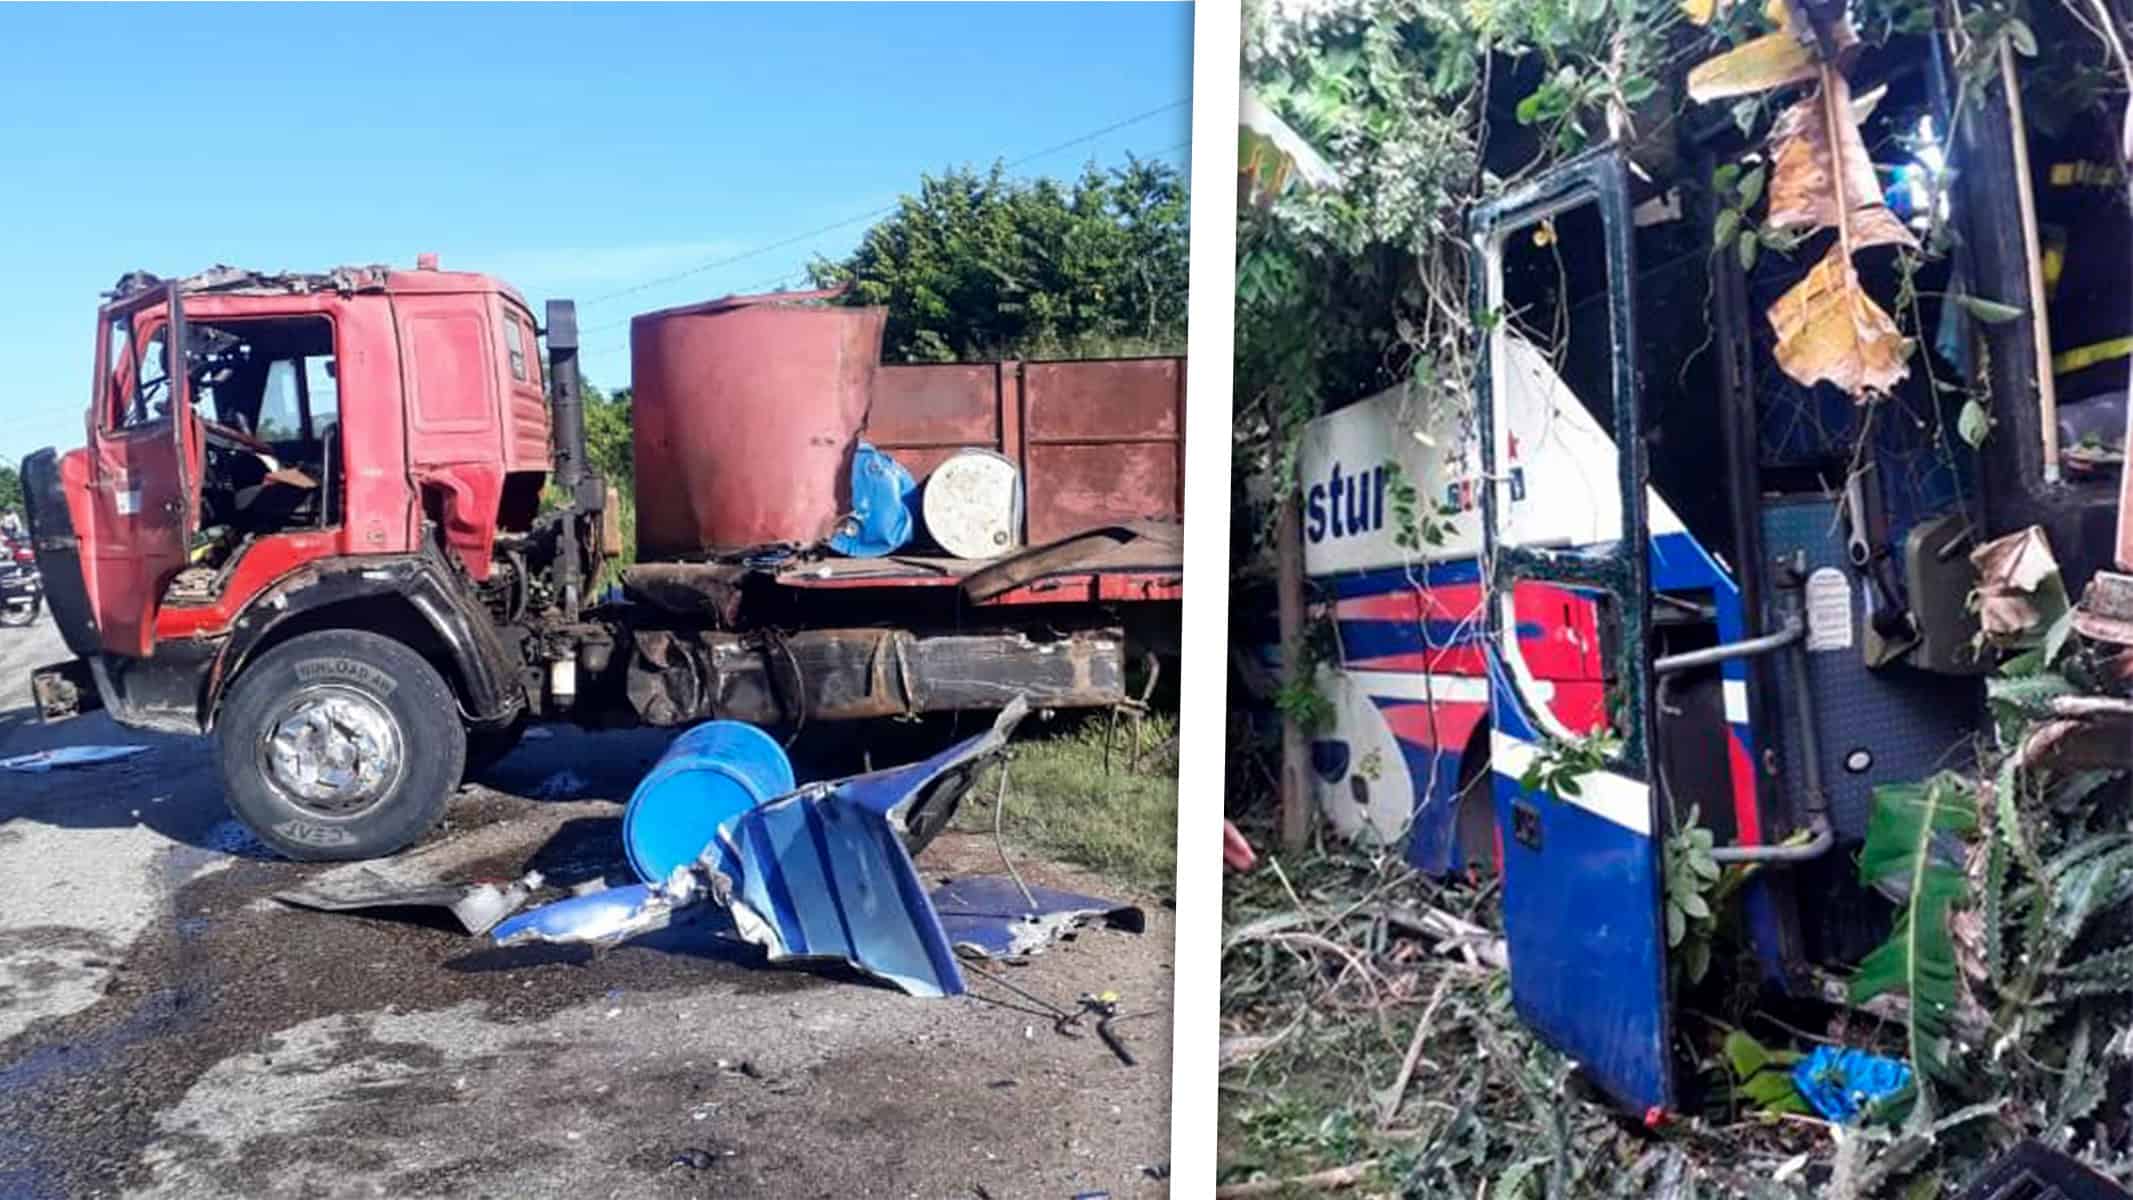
[[340, 745]]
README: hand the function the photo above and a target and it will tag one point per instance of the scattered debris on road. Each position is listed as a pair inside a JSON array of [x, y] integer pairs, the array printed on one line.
[[606, 917], [718, 834], [1105, 1009], [69, 756], [988, 916], [478, 906], [696, 1158], [821, 872]]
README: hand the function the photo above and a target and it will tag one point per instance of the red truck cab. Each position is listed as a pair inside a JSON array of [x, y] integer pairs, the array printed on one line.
[[428, 379], [339, 454]]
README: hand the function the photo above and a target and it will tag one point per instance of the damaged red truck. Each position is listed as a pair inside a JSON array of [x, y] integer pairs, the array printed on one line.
[[310, 521]]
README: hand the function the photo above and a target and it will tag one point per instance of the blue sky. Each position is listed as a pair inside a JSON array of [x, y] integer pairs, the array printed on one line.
[[571, 149]]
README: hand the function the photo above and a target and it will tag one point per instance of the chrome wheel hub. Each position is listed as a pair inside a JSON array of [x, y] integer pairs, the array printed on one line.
[[335, 752]]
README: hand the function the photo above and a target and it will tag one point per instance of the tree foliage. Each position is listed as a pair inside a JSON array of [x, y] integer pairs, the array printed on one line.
[[10, 488], [1346, 290], [980, 266], [608, 432]]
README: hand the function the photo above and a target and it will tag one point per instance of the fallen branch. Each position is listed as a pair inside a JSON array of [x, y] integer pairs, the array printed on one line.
[[1255, 931], [1326, 1181], [1236, 1051], [1389, 1099], [1355, 961], [1453, 933]]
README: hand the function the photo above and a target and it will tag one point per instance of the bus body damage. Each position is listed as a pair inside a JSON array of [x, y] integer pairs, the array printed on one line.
[[1609, 641]]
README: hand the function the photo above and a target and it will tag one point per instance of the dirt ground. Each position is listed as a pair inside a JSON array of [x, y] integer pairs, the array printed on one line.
[[168, 1030]]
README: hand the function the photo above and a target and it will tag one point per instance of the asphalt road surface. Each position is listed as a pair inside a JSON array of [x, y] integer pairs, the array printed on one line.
[[169, 1030]]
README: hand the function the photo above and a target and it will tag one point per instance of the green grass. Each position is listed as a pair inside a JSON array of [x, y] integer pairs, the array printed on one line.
[[1061, 804]]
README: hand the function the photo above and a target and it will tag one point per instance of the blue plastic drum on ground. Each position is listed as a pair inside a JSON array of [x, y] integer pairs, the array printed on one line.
[[708, 776]]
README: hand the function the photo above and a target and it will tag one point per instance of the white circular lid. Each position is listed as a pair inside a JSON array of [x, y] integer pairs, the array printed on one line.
[[973, 505]]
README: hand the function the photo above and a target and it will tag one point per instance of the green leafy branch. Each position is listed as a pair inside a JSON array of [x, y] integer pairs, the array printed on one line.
[[1693, 897], [1560, 763], [1918, 959]]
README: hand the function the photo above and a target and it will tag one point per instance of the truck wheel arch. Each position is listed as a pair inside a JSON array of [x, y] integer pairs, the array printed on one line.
[[409, 599]]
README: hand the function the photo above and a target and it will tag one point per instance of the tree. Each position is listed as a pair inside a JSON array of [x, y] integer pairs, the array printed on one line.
[[608, 433], [979, 266], [10, 488]]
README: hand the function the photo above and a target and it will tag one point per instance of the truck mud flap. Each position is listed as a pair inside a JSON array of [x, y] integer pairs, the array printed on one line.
[[679, 676], [58, 548]]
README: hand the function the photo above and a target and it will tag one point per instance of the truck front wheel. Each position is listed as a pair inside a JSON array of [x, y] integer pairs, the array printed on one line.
[[340, 745]]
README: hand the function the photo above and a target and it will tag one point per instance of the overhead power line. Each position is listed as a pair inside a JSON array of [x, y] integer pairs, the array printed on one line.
[[781, 244], [780, 279]]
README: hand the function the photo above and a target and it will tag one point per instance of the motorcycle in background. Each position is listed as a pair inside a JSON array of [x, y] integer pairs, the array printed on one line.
[[21, 587]]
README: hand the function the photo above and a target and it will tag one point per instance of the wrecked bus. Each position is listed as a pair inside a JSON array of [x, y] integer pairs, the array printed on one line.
[[346, 524], [1668, 587]]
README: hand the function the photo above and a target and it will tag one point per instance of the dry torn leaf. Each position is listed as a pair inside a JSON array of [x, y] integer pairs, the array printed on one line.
[[1805, 191], [2009, 572], [1770, 61], [1830, 330], [2022, 561]]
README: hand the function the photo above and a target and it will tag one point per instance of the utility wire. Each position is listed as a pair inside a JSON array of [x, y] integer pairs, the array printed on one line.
[[868, 216], [797, 273]]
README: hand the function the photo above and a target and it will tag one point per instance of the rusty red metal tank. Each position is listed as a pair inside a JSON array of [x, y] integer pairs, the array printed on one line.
[[746, 413]]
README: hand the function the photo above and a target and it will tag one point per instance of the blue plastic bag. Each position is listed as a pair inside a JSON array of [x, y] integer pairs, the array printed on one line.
[[1841, 1084], [883, 495]]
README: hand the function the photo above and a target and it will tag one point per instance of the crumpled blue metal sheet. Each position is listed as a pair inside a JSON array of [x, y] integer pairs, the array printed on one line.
[[989, 914], [69, 756], [819, 873], [826, 877], [606, 917], [825, 873]]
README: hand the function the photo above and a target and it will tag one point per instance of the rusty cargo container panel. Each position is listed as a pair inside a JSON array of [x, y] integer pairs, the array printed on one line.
[[923, 414], [747, 410], [1098, 442], [1104, 443]]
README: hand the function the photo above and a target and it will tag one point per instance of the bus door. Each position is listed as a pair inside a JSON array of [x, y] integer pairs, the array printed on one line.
[[1564, 516]]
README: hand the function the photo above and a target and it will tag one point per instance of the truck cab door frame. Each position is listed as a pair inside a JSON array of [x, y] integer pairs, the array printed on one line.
[[1583, 876], [144, 498]]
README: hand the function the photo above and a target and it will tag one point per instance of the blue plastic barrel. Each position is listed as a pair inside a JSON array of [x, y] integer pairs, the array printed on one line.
[[708, 776]]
